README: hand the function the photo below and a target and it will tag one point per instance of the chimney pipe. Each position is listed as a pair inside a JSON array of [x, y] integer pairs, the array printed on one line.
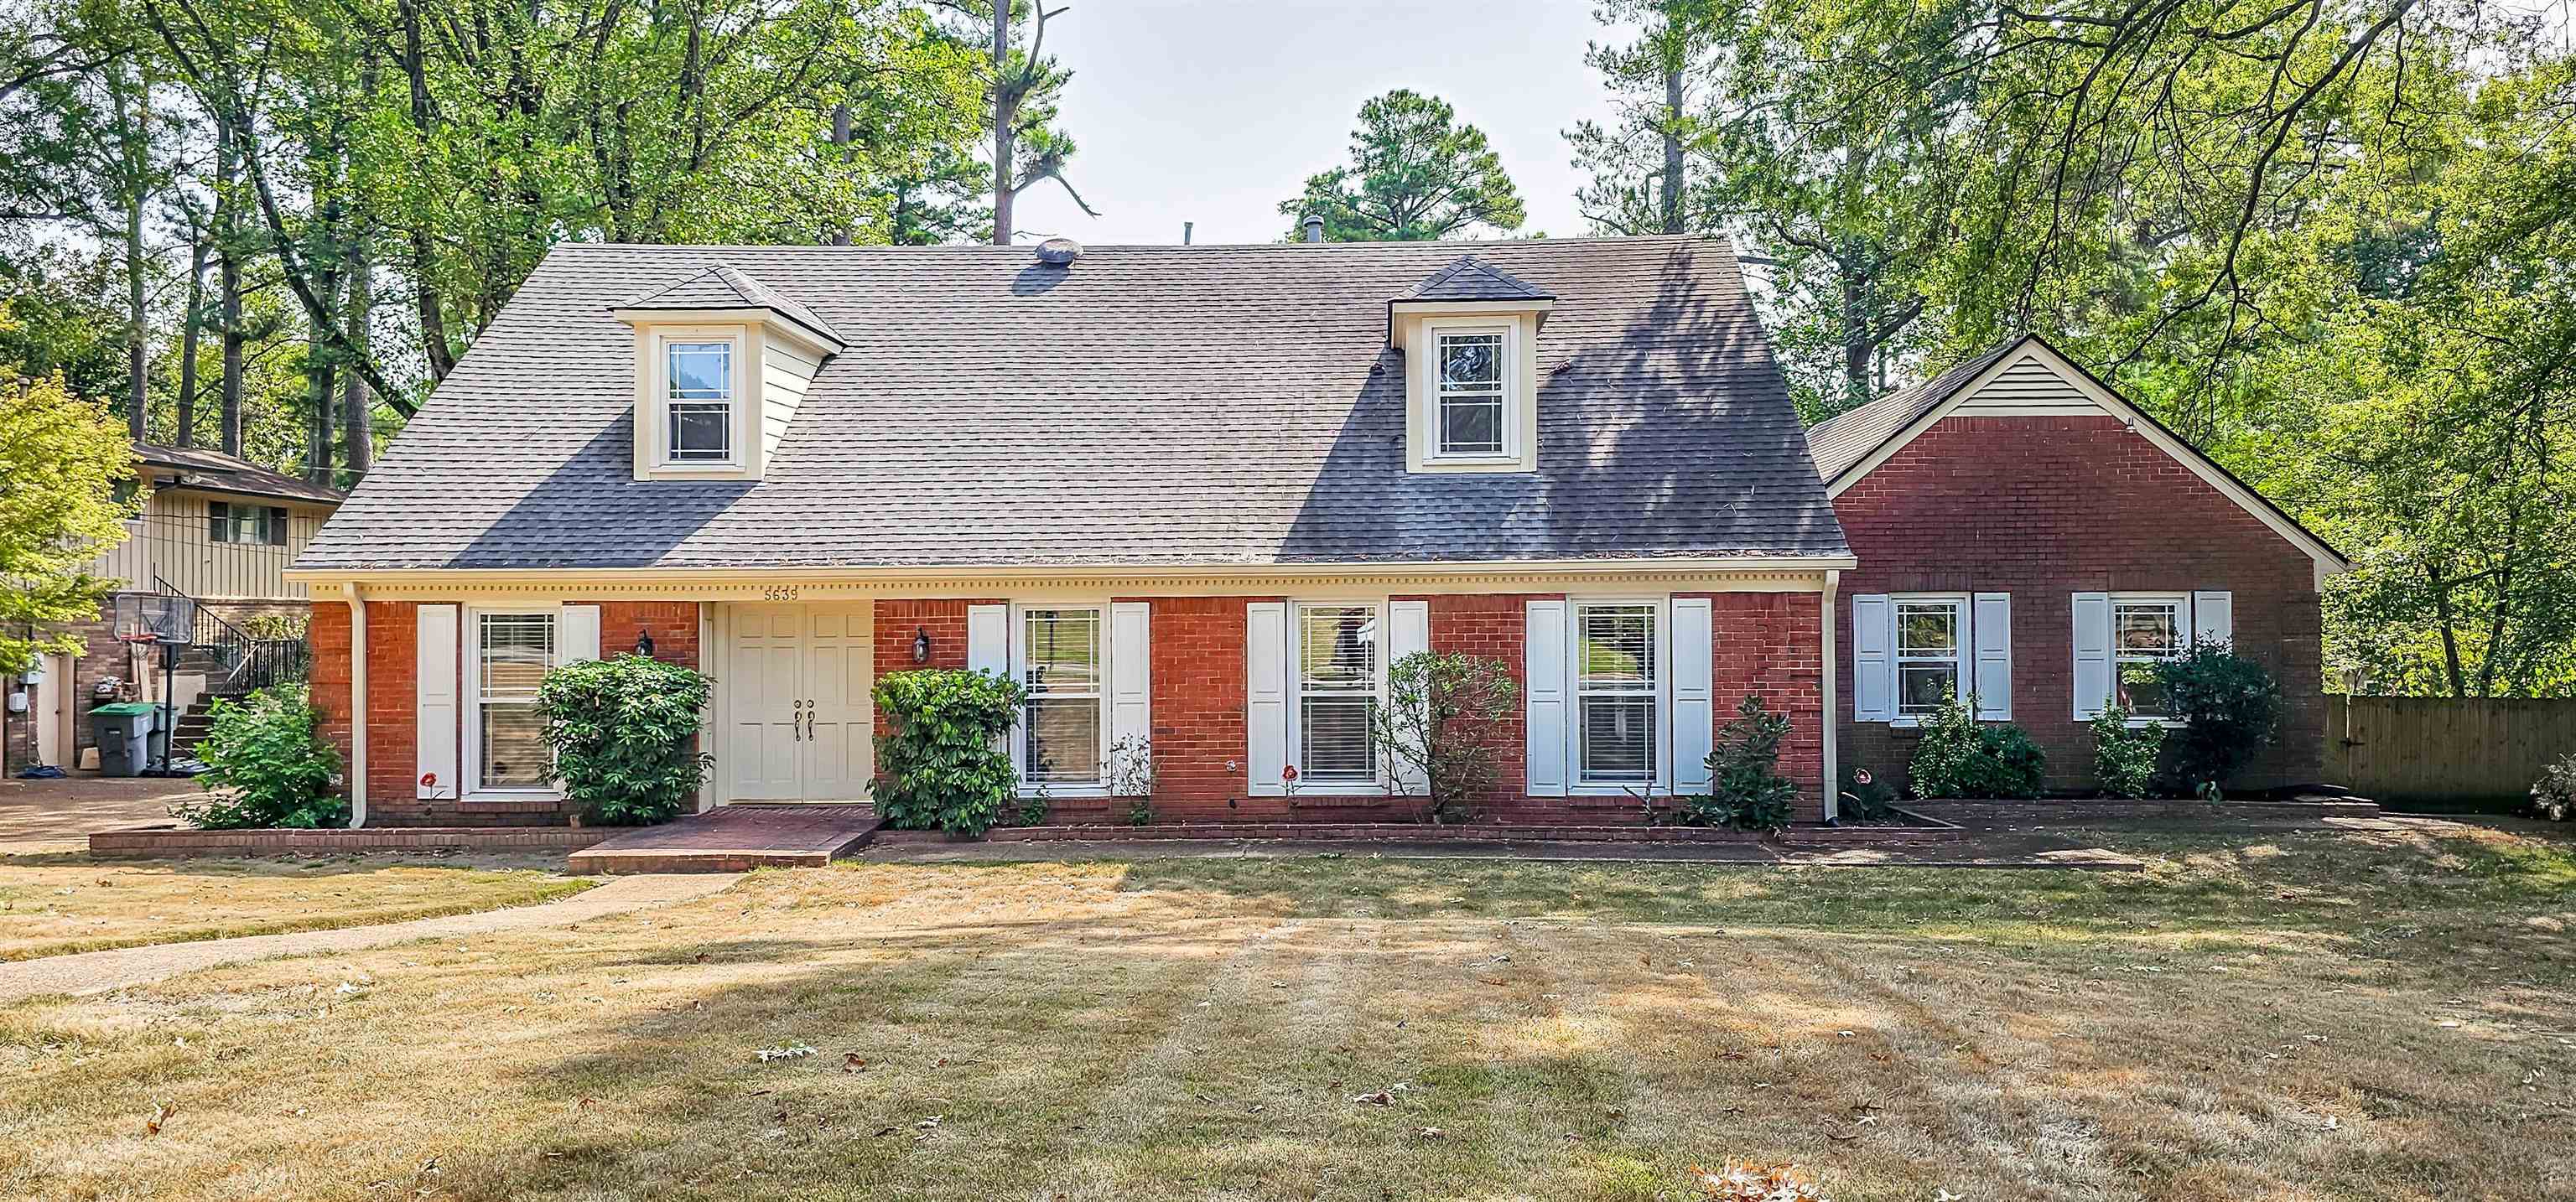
[[1185, 232], [1314, 228]]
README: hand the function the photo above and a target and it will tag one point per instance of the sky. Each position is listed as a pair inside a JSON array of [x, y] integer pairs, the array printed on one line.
[[1216, 111]]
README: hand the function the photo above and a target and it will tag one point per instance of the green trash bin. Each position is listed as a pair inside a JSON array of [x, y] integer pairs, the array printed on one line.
[[123, 732]]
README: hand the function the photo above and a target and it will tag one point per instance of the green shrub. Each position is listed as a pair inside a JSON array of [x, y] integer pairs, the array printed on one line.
[[1440, 727], [268, 765], [620, 730], [1866, 799], [2124, 756], [1960, 757], [2228, 708], [2553, 796], [944, 765], [1746, 790]]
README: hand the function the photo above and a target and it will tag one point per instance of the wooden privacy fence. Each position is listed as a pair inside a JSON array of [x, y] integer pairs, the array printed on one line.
[[2444, 748]]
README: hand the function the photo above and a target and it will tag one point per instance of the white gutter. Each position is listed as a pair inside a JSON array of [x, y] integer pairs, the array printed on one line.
[[357, 705], [1699, 564], [1825, 690]]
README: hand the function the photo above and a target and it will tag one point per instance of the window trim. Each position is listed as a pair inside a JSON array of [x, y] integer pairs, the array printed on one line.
[[1963, 681], [1381, 782], [1519, 393], [2183, 640], [739, 401], [469, 666], [1660, 781], [1018, 661], [1506, 354]]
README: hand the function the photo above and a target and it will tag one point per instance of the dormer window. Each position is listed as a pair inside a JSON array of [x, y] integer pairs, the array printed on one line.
[[698, 380], [1473, 392], [1469, 334]]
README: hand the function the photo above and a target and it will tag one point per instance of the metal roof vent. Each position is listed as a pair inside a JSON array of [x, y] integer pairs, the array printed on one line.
[[1059, 252]]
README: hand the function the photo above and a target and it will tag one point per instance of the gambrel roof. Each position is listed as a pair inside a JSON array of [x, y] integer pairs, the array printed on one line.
[[1151, 406]]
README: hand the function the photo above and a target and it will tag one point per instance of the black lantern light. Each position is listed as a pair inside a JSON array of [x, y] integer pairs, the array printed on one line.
[[921, 644], [643, 641]]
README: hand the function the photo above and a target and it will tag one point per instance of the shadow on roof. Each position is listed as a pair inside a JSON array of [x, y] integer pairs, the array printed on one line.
[[629, 523]]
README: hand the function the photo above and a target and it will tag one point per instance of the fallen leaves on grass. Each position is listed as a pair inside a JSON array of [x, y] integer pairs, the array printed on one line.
[[1380, 1098], [787, 1052], [1745, 1181], [161, 1112]]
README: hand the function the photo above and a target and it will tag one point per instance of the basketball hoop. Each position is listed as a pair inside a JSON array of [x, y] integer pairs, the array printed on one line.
[[165, 618]]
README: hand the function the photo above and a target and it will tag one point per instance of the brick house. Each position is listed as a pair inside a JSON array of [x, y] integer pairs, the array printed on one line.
[[1197, 498], [2028, 537]]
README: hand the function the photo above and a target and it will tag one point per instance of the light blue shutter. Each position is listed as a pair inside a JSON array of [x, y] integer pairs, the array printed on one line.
[[1131, 687], [1408, 631], [1991, 624], [1543, 681], [2213, 617], [2093, 663], [1694, 688], [1873, 670], [1265, 692], [434, 711]]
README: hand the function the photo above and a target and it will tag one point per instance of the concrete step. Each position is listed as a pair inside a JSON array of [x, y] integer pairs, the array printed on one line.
[[736, 838]]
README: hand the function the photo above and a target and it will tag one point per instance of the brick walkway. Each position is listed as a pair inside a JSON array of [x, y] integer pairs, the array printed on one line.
[[96, 972], [736, 838]]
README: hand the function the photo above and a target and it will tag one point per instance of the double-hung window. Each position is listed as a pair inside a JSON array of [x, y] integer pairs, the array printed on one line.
[[1061, 665], [1338, 659], [1618, 684], [231, 522], [1931, 640], [513, 652], [698, 401], [1469, 413], [2144, 632]]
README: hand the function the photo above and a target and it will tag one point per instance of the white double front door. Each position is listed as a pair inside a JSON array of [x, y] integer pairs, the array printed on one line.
[[799, 726]]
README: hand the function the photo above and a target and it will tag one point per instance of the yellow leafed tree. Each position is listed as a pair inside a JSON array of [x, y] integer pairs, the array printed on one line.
[[61, 457]]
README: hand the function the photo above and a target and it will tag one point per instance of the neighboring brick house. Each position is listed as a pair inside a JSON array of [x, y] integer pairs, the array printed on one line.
[[211, 526], [1198, 498], [2023, 534]]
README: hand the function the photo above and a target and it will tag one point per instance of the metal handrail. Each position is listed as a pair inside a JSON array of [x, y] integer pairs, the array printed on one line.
[[248, 663]]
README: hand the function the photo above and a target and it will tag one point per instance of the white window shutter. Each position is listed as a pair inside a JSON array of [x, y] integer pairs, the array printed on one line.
[[1543, 682], [1131, 659], [1265, 692], [2213, 617], [1873, 668], [1991, 624], [2092, 655], [577, 634], [434, 714], [1694, 694], [1408, 631], [988, 639]]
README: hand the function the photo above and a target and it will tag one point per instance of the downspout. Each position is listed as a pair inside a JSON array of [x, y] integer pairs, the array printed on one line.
[[357, 706], [1833, 770]]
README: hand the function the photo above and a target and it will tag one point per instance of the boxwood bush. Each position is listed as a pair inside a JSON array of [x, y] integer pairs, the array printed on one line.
[[268, 765], [1961, 757], [620, 729], [943, 764]]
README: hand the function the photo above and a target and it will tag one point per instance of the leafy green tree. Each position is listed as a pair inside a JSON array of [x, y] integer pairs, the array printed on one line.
[[1415, 175], [1640, 164], [61, 458]]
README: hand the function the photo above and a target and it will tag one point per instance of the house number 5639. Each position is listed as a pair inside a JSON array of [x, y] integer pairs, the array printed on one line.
[[784, 593]]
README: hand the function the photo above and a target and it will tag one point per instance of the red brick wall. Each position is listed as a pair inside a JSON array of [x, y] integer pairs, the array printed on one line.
[[329, 686], [674, 625], [1495, 626], [1199, 741], [2045, 507], [1771, 645], [393, 696]]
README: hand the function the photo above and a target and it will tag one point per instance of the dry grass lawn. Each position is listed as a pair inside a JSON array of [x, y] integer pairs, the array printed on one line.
[[2387, 1016], [56, 904]]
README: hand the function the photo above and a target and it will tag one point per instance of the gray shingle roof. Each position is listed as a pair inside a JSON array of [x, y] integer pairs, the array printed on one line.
[[1148, 406], [724, 287], [1845, 439], [1473, 279], [208, 470]]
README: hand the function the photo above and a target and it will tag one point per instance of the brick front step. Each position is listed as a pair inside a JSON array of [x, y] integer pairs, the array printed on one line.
[[735, 838], [1412, 832], [174, 842]]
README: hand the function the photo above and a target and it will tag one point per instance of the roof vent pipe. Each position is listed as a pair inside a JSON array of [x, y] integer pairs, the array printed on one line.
[[1185, 231], [1059, 252], [1314, 228]]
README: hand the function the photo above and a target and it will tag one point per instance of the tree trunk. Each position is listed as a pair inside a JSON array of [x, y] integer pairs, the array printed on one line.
[[357, 405], [321, 359], [1855, 336], [1673, 182], [137, 317], [1005, 102], [424, 258], [841, 143], [191, 330], [228, 252], [2450, 636]]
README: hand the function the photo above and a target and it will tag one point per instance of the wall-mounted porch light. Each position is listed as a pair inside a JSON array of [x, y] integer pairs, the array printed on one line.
[[921, 644], [643, 641]]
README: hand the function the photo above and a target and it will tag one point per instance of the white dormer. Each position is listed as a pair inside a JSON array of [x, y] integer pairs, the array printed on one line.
[[721, 363], [1470, 338]]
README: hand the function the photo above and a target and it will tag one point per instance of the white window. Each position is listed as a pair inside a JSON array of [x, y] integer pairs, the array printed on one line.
[[513, 652], [1618, 685], [698, 401], [1470, 414], [1061, 662], [1931, 642], [1339, 665], [2146, 630]]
